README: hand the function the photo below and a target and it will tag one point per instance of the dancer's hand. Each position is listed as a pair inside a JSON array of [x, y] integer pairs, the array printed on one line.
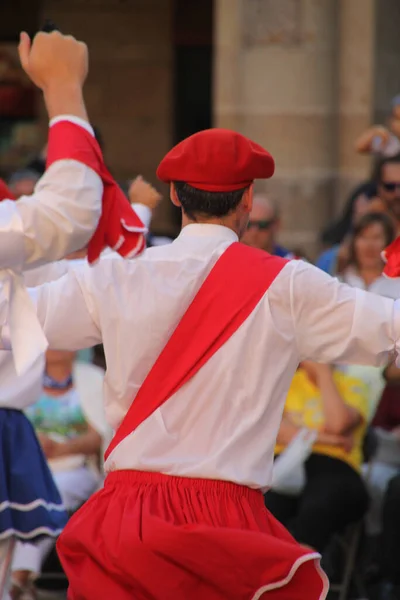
[[142, 192], [58, 65], [54, 59]]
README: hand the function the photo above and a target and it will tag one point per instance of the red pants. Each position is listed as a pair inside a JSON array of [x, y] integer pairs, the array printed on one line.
[[147, 536]]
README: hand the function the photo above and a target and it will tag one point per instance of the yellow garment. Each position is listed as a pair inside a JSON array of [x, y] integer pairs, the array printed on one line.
[[304, 407]]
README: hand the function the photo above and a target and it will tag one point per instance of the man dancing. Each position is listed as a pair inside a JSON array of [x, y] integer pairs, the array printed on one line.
[[202, 338]]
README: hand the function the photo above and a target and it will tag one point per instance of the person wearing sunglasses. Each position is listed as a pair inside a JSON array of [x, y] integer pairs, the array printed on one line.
[[263, 227], [388, 180]]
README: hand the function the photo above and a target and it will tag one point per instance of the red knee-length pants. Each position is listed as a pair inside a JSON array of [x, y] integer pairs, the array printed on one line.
[[147, 536]]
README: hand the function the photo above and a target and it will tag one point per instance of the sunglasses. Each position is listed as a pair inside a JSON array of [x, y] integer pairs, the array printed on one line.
[[391, 186], [261, 225]]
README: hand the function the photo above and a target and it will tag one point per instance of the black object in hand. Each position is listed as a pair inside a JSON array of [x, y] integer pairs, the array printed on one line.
[[49, 26]]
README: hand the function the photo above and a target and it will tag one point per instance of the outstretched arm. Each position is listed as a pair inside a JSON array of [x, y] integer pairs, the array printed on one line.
[[335, 323]]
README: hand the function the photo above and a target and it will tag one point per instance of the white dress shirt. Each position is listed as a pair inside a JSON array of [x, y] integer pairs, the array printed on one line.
[[223, 423], [21, 390], [57, 219]]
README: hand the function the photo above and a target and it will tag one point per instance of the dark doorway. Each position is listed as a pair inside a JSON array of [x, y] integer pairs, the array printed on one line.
[[193, 29], [193, 58]]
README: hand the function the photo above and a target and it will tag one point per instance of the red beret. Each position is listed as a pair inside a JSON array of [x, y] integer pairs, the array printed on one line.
[[216, 160], [5, 193]]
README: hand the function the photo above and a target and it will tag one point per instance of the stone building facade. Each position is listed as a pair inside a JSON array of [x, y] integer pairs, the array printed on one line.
[[301, 77]]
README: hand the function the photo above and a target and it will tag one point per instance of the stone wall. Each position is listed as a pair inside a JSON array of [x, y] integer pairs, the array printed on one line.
[[296, 76], [129, 89]]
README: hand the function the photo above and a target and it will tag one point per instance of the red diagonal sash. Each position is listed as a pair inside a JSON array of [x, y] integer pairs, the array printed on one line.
[[232, 290]]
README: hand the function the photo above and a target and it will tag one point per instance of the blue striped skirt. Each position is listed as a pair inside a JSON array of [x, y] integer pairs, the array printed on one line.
[[30, 504]]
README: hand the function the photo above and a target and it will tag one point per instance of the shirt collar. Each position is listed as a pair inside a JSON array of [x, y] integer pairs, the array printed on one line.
[[208, 230]]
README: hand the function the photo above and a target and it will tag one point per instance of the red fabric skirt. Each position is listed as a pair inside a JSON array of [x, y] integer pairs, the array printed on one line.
[[147, 536]]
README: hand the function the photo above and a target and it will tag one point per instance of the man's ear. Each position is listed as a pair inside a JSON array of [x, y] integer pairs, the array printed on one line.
[[173, 195], [247, 199]]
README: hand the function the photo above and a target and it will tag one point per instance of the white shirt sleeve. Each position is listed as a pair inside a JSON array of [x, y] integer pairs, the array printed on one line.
[[57, 219], [335, 323], [53, 302], [143, 212]]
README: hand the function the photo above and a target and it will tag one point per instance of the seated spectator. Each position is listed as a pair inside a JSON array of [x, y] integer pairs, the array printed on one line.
[[335, 233], [363, 265], [365, 201], [389, 547], [330, 402], [263, 227], [386, 463], [383, 143], [70, 425]]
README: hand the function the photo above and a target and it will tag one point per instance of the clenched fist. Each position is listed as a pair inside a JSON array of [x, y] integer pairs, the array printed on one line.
[[142, 192], [53, 59]]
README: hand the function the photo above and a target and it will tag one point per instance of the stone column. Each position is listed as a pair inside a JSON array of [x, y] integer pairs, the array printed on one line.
[[387, 57], [275, 81]]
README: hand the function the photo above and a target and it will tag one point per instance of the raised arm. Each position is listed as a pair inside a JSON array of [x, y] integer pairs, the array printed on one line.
[[335, 323], [64, 211]]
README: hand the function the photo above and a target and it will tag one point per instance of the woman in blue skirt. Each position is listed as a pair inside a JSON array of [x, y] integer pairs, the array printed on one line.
[[30, 504]]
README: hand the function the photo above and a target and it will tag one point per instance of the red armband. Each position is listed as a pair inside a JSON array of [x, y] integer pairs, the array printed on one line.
[[119, 227]]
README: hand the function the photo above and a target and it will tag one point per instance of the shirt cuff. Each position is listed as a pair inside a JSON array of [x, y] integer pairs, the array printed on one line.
[[143, 212], [73, 119]]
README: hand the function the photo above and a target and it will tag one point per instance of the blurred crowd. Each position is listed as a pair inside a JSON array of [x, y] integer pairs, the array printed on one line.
[[341, 483]]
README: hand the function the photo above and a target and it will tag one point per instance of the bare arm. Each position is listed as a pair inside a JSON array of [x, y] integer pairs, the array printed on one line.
[[340, 418], [63, 212], [288, 431], [88, 443]]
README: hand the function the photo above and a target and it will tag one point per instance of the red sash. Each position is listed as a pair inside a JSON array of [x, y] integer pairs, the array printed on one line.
[[232, 290], [119, 227], [5, 193]]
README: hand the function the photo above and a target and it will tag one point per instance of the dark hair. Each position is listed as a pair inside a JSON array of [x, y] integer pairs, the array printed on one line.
[[366, 221], [99, 137], [378, 168], [335, 232], [201, 203]]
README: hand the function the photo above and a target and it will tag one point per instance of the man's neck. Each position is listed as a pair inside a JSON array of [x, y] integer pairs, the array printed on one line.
[[230, 222]]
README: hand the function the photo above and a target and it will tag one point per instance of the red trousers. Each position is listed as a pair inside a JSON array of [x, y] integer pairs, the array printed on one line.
[[147, 536]]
